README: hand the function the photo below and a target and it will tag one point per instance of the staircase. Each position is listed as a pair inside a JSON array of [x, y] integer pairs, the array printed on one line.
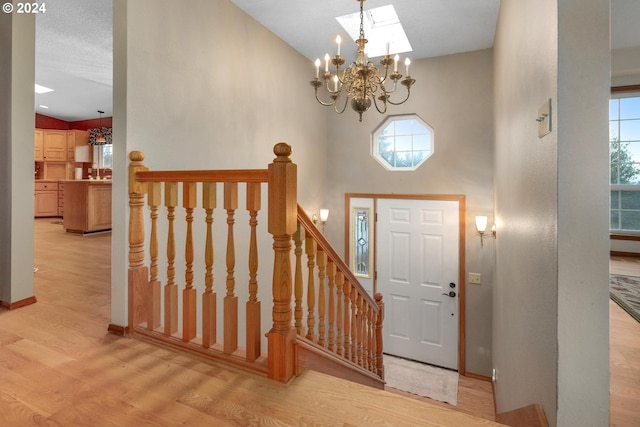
[[321, 317]]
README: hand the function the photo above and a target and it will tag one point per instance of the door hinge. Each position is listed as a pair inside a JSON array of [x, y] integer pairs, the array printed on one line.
[[376, 217], [375, 275]]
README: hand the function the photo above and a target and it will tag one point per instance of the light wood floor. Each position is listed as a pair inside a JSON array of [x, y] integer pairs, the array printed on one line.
[[624, 357], [59, 366]]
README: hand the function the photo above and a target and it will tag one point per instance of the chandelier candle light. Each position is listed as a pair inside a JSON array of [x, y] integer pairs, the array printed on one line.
[[362, 82]]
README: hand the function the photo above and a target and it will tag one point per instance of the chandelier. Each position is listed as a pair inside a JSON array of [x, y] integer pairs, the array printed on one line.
[[362, 83]]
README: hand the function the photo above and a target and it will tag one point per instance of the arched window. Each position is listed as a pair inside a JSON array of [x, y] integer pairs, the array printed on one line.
[[402, 143]]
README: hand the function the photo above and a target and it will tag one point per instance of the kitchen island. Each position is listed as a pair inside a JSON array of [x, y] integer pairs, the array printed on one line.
[[87, 205]]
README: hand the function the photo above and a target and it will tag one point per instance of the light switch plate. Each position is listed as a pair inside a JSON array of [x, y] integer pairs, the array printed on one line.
[[475, 278], [544, 119]]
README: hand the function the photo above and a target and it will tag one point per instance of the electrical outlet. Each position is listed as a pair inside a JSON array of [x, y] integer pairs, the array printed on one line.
[[475, 278]]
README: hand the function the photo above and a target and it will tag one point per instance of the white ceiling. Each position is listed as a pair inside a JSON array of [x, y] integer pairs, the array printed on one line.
[[74, 39]]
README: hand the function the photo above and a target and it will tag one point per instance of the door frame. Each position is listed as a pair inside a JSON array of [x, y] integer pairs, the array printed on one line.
[[461, 249]]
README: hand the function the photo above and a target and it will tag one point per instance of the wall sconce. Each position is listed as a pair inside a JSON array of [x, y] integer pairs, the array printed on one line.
[[324, 216], [481, 226]]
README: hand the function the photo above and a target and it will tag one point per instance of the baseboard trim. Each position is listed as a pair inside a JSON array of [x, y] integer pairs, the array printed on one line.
[[531, 416], [18, 304], [118, 330], [477, 376], [625, 254]]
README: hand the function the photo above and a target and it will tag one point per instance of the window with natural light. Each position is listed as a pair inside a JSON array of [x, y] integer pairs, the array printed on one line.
[[624, 148], [402, 143]]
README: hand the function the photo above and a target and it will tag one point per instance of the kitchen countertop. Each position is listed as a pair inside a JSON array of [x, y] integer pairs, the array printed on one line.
[[90, 181]]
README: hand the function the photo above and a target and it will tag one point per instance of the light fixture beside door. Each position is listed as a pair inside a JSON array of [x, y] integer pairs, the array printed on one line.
[[481, 227]]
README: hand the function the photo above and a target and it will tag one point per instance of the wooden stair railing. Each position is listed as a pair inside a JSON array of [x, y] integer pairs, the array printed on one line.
[[154, 312], [348, 331], [346, 321]]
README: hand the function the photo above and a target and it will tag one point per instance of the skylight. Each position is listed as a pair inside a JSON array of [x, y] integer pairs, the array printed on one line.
[[381, 26], [42, 89]]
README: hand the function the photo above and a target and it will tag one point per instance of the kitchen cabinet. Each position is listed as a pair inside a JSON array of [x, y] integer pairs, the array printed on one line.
[[55, 145], [55, 170], [61, 198], [45, 201], [76, 138], [38, 145], [87, 205]]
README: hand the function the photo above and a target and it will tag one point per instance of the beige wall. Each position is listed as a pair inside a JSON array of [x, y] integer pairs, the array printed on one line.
[[17, 68], [550, 318], [625, 67], [454, 95], [207, 87]]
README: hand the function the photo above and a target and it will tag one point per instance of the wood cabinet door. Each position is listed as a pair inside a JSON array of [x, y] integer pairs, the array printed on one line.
[[45, 203], [71, 146], [55, 145], [38, 144]]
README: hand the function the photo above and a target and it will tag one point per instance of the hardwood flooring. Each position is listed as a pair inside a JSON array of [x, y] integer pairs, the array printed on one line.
[[624, 357], [60, 367]]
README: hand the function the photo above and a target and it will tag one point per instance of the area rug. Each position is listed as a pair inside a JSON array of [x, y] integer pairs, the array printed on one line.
[[625, 291], [421, 379]]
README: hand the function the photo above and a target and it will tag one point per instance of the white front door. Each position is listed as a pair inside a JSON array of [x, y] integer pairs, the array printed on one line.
[[418, 273]]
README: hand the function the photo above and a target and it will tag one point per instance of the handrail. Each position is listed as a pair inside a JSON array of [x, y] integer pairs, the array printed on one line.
[[326, 247], [230, 175]]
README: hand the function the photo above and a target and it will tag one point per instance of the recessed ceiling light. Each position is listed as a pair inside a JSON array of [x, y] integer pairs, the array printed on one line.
[[382, 26], [43, 106], [42, 89]]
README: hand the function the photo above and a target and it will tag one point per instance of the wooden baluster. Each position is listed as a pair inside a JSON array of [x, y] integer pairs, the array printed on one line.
[[331, 274], [189, 295], [209, 323], [138, 274], [321, 260], [339, 312], [346, 289], [310, 250], [354, 325], [253, 305], [153, 308], [365, 336], [360, 320], [283, 205], [171, 289], [379, 347], [298, 282], [230, 299], [372, 339]]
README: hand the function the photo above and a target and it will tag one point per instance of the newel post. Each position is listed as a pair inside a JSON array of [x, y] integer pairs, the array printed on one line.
[[282, 225], [138, 273]]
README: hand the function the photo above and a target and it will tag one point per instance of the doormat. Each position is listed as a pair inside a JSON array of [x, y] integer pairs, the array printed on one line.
[[421, 379], [625, 291]]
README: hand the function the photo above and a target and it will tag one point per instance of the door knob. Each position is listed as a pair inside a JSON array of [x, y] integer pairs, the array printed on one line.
[[451, 294]]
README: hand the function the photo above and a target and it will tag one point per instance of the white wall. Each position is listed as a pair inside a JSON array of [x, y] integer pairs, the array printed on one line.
[[454, 95], [550, 319], [207, 87], [17, 67]]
